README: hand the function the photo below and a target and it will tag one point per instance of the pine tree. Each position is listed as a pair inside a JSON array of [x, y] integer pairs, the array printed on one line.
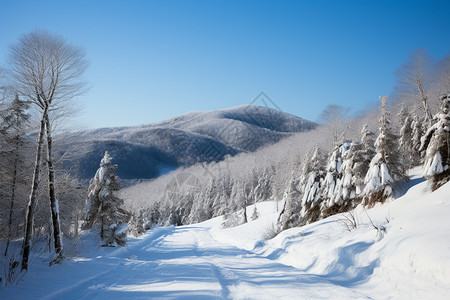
[[306, 169], [363, 156], [417, 134], [13, 127], [437, 144], [356, 163], [104, 208], [406, 146], [351, 160], [312, 187], [240, 196], [385, 166], [255, 213], [263, 189], [290, 214], [333, 183]]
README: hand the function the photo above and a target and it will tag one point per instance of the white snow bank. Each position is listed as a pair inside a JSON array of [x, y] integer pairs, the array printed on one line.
[[411, 261], [254, 232]]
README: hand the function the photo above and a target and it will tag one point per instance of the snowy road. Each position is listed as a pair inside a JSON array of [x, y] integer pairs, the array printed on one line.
[[322, 260], [182, 262]]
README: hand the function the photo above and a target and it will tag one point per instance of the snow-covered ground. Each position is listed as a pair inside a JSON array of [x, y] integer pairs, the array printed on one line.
[[409, 259]]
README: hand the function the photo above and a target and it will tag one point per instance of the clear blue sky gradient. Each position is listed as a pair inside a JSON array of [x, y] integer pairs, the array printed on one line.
[[151, 60]]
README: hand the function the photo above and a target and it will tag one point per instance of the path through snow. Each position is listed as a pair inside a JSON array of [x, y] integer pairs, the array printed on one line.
[[182, 262], [322, 260]]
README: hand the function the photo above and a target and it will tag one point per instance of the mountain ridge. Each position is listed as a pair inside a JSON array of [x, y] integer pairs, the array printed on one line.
[[183, 140]]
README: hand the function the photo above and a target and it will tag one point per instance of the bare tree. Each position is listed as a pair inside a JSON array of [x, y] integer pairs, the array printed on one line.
[[47, 71], [442, 86], [414, 80], [2, 86], [334, 116]]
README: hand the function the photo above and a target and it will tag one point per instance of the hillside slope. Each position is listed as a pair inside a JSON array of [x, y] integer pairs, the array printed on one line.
[[410, 259], [184, 140]]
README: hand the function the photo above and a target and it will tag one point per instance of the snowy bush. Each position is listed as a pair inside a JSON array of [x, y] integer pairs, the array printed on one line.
[[349, 220]]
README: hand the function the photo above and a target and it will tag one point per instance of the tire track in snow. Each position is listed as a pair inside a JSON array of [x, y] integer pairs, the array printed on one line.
[[58, 294], [226, 279], [148, 241]]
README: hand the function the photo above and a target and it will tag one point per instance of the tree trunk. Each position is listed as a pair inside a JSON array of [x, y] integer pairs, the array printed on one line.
[[26, 247], [57, 237], [426, 107]]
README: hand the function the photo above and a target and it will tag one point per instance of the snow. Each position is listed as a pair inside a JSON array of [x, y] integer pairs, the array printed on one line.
[[385, 177], [323, 260], [435, 165]]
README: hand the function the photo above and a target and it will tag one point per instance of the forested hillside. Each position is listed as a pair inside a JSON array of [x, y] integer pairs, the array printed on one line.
[[147, 151]]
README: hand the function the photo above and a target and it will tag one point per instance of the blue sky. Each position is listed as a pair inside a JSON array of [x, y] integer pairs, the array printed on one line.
[[151, 60]]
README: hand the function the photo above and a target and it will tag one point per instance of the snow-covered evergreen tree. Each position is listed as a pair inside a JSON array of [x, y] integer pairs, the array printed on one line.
[[406, 146], [290, 214], [306, 169], [386, 165], [364, 158], [333, 183], [437, 144], [417, 134], [263, 189], [355, 164], [104, 208], [255, 213], [202, 208], [312, 188], [13, 126], [351, 160], [240, 197]]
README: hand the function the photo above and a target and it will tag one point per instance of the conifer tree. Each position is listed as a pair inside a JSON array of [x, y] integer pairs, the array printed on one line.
[[406, 146], [417, 134], [290, 215], [385, 166], [437, 144], [356, 162], [312, 188], [333, 184], [363, 158], [105, 209], [351, 160], [306, 169], [13, 128]]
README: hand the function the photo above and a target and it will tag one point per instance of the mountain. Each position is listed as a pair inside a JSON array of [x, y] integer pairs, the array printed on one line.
[[146, 151]]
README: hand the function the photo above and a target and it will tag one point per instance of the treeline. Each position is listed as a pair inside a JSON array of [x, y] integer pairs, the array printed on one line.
[[326, 171]]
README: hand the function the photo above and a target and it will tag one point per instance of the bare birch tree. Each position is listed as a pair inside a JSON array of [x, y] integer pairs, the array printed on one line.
[[414, 80], [47, 71]]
